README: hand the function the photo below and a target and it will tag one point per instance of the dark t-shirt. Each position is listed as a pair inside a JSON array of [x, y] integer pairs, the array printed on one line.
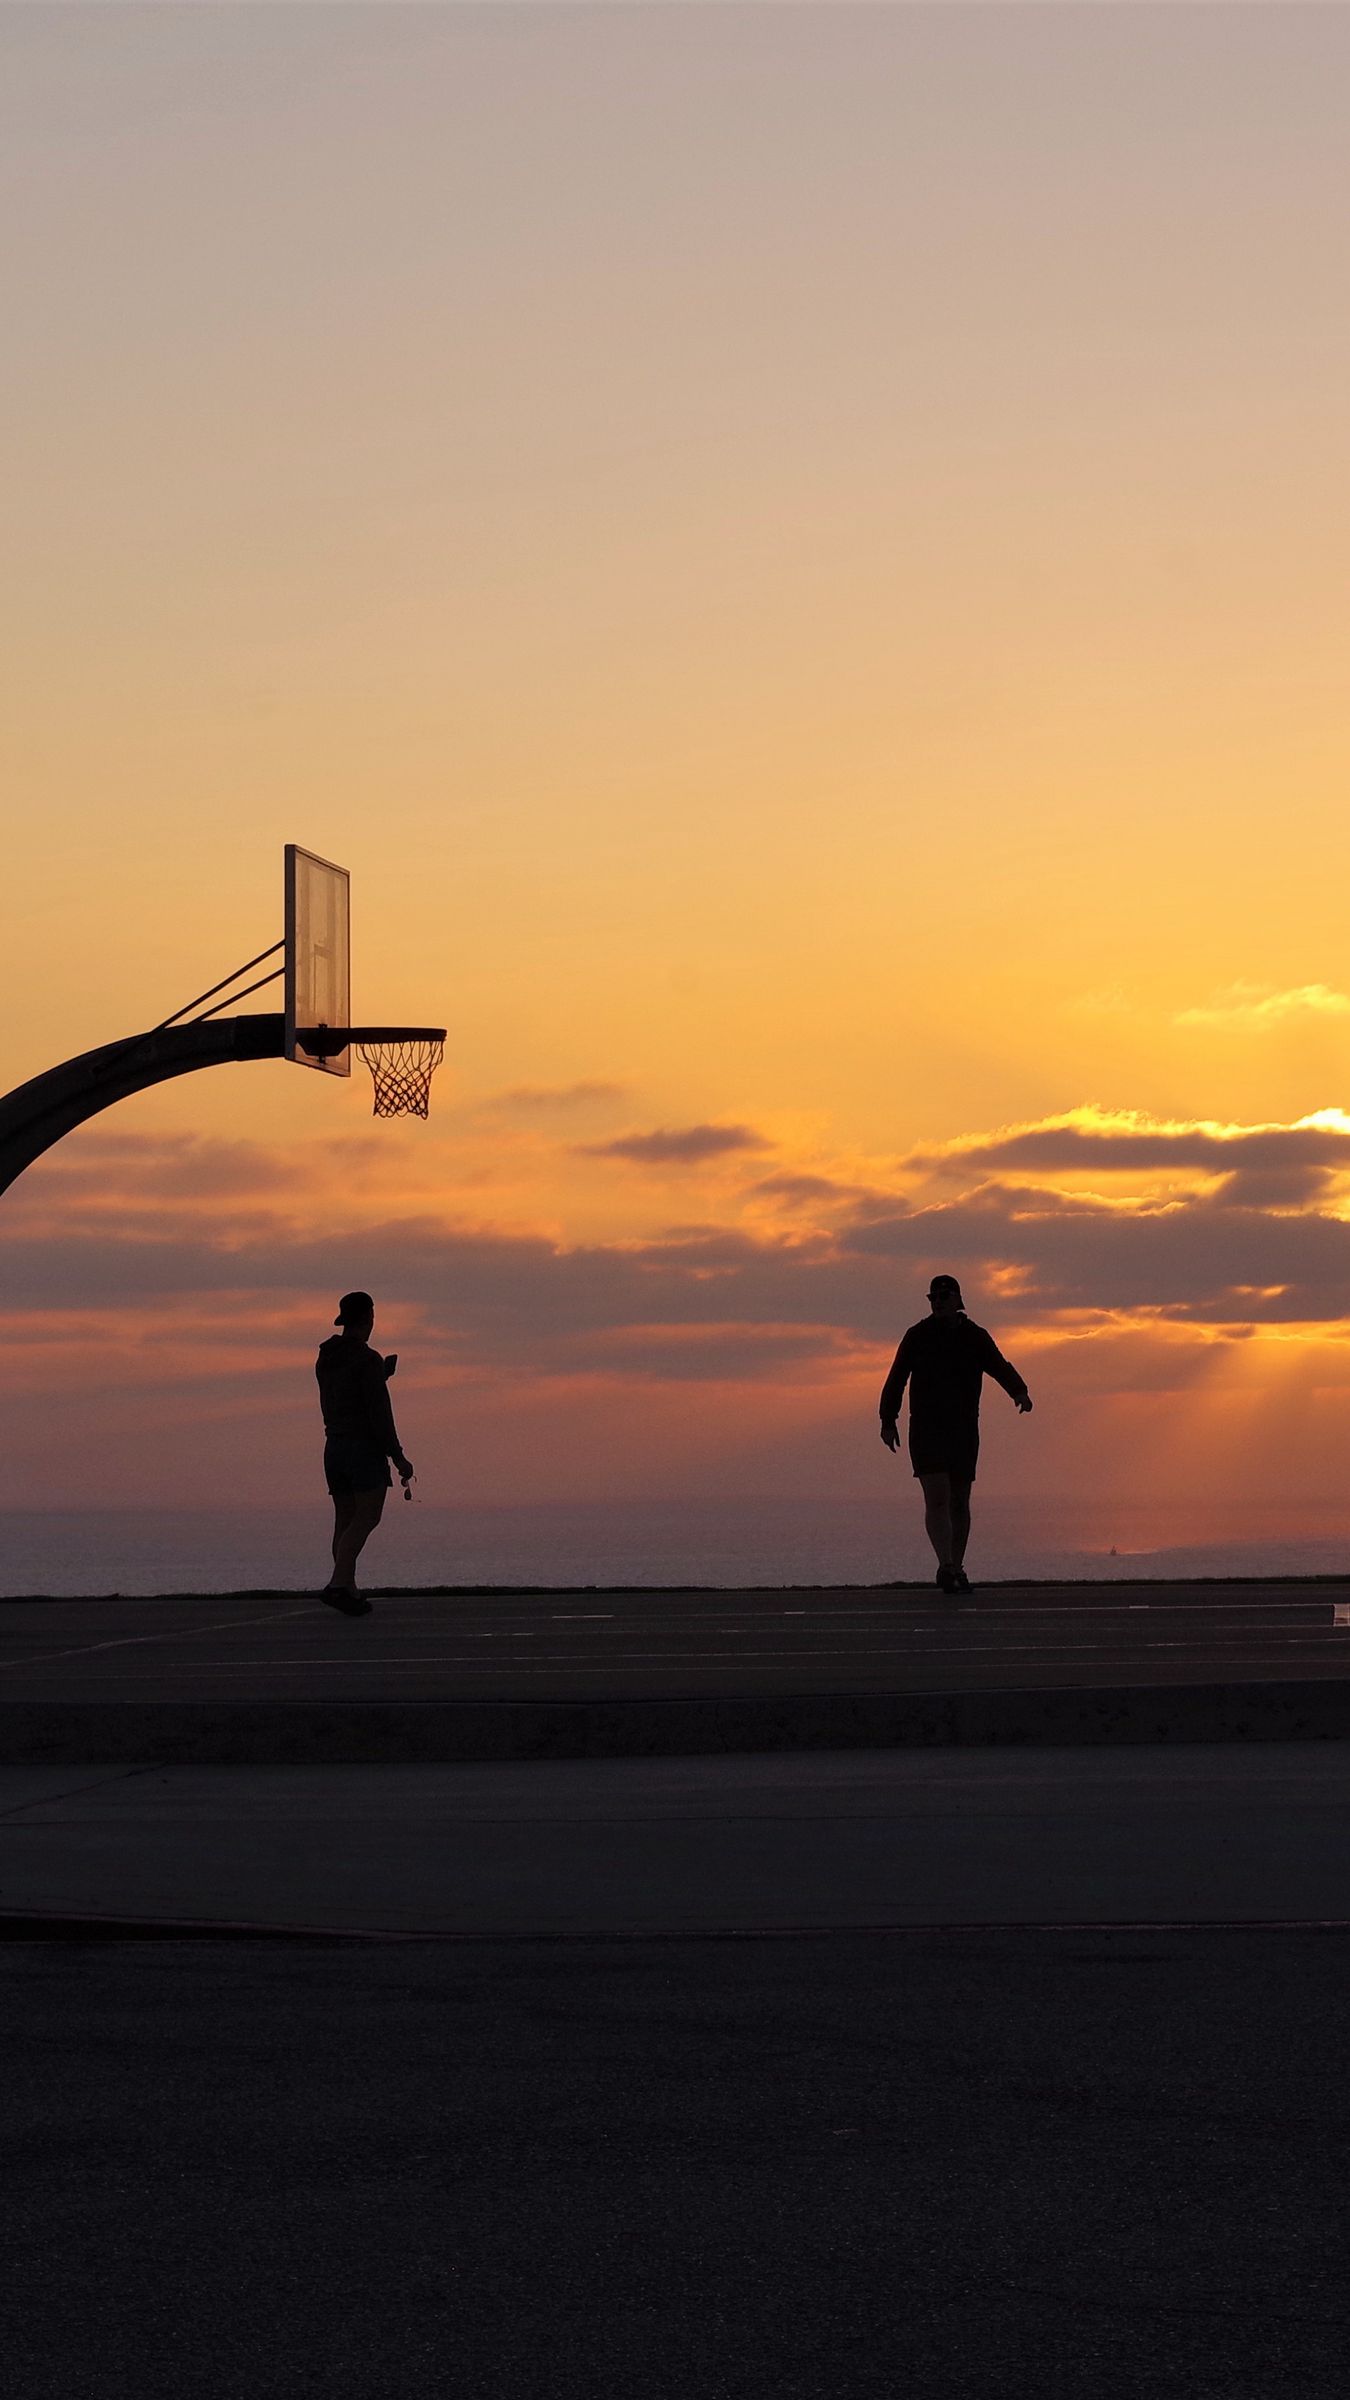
[[944, 1360], [354, 1395]]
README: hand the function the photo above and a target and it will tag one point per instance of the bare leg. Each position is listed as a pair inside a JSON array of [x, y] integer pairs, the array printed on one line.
[[349, 1540], [343, 1504], [960, 1520], [937, 1515]]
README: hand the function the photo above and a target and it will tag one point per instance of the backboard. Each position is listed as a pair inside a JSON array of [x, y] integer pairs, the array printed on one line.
[[318, 957]]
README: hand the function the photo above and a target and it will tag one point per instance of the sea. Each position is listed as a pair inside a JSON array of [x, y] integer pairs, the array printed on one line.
[[644, 1545]]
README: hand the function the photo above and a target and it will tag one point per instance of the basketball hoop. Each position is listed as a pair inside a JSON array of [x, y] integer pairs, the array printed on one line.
[[313, 1029], [401, 1067], [402, 1060]]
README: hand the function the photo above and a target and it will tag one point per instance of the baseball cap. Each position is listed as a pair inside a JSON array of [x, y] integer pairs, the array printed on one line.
[[944, 1283]]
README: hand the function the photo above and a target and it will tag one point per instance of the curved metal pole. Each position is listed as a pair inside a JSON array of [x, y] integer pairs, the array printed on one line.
[[40, 1112]]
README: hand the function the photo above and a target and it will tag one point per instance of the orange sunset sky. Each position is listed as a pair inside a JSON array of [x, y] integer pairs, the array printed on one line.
[[799, 556]]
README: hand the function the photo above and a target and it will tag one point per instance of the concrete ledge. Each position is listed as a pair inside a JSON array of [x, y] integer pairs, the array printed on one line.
[[437, 1732]]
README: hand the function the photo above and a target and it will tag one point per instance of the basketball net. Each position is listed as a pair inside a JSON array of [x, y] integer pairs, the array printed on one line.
[[401, 1073]]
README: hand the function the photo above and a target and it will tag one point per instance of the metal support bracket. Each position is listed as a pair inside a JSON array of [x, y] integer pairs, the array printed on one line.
[[51, 1105]]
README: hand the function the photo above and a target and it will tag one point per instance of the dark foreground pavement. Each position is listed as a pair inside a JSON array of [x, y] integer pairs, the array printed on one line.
[[1072, 2163], [1179, 1835]]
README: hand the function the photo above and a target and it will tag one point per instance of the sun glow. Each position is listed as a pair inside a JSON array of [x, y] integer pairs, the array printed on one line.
[[860, 778]]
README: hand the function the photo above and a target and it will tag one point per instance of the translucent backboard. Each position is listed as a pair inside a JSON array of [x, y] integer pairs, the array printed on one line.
[[318, 957]]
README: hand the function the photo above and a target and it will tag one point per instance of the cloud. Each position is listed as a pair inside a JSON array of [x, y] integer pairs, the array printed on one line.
[[515, 1300], [808, 1191], [1130, 1140], [97, 1167], [703, 1354], [1287, 1189], [1257, 1008], [678, 1145], [1194, 1258], [1258, 1241], [537, 1099], [490, 1297]]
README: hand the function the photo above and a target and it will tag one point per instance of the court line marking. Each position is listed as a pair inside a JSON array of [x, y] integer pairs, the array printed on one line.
[[935, 1621], [130, 1641], [77, 1792], [1220, 1621], [924, 1645], [840, 1616], [579, 1661], [917, 1640]]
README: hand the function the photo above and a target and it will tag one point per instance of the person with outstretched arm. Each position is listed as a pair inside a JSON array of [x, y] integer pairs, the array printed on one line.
[[360, 1440], [943, 1361]]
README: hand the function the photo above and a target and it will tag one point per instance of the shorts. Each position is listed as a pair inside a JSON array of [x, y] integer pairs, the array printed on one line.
[[944, 1452], [351, 1465]]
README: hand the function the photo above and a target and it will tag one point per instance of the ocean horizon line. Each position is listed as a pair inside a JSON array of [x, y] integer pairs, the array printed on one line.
[[715, 1545]]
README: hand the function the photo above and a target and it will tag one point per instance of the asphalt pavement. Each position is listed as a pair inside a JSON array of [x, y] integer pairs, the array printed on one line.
[[580, 1849], [607, 1645], [748, 2078], [1089, 2166]]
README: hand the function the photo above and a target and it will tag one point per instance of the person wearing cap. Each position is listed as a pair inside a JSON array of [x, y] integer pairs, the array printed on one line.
[[360, 1439], [943, 1360]]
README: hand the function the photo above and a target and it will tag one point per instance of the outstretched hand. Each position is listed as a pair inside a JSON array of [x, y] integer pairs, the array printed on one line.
[[1024, 1405], [890, 1435]]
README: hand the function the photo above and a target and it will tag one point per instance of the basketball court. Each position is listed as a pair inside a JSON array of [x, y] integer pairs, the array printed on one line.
[[570, 1645], [599, 1646]]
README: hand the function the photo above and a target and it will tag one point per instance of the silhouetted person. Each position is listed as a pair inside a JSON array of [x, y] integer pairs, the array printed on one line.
[[944, 1359], [361, 1439]]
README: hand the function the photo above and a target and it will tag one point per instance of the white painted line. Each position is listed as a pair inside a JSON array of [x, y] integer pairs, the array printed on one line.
[[991, 1603], [889, 1616], [129, 1641], [638, 1662]]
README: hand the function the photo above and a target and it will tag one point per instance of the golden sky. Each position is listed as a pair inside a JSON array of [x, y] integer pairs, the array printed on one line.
[[799, 555]]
